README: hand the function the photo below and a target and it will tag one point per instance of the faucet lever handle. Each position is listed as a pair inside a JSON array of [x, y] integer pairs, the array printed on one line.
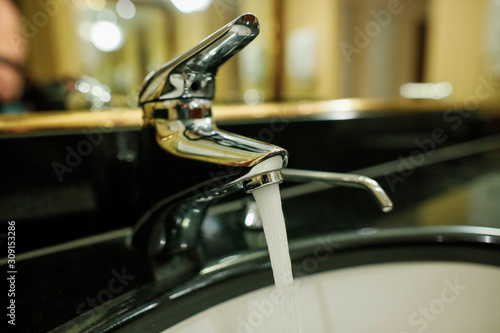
[[192, 74]]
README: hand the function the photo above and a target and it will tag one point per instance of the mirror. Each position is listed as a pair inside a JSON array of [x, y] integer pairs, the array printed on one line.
[[94, 54]]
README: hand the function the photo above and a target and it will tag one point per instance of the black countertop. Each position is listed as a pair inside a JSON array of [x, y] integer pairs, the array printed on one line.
[[95, 199]]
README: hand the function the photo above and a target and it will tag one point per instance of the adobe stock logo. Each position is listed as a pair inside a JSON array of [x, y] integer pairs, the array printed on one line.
[[263, 310], [31, 27], [115, 286], [75, 155], [90, 307], [422, 319]]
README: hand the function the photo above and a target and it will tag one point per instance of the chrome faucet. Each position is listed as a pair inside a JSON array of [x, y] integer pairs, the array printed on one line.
[[185, 161]]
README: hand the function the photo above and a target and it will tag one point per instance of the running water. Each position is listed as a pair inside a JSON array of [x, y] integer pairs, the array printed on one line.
[[269, 203]]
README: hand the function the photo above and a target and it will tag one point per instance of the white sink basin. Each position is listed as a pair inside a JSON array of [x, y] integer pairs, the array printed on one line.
[[396, 297]]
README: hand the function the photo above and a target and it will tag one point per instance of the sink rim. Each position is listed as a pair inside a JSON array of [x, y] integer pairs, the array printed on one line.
[[158, 306]]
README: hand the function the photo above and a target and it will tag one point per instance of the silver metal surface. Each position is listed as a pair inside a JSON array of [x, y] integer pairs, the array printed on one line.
[[265, 179], [251, 216], [342, 179], [192, 74], [179, 132]]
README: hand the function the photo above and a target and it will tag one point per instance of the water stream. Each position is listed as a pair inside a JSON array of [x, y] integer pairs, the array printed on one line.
[[269, 202]]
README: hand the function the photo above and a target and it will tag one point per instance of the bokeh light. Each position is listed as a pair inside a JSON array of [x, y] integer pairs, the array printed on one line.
[[126, 9], [106, 36]]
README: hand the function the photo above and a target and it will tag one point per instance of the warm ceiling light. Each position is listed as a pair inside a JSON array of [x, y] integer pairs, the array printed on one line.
[[191, 6]]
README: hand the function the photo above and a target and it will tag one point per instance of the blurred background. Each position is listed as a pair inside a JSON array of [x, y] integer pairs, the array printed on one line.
[[94, 54]]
